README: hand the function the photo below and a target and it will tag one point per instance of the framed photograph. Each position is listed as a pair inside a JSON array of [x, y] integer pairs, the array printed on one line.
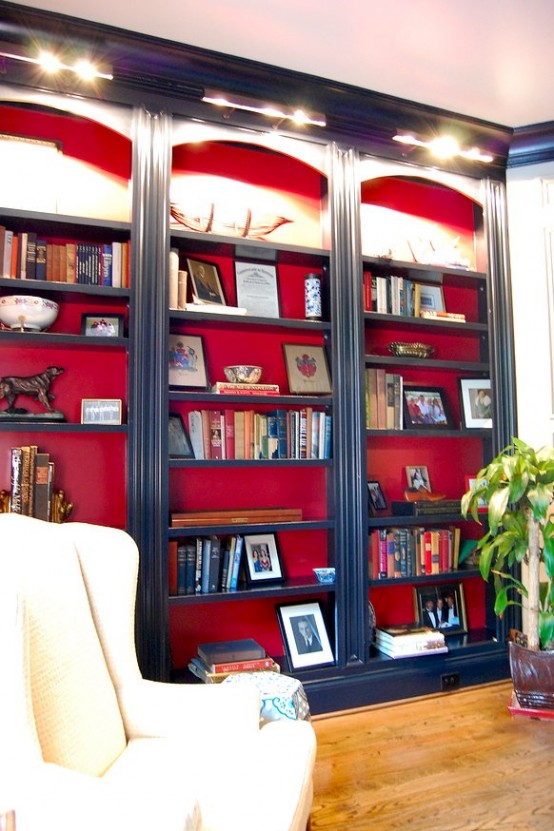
[[417, 477], [97, 324], [257, 288], [425, 407], [101, 411], [178, 441], [431, 298], [187, 365], [469, 482], [262, 559], [476, 400], [307, 369], [441, 607], [204, 278], [377, 501], [304, 635]]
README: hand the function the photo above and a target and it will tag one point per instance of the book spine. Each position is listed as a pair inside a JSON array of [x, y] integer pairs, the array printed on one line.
[[41, 508], [236, 563], [16, 479], [242, 666]]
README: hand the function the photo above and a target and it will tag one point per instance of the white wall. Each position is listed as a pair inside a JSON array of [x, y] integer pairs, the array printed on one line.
[[530, 194]]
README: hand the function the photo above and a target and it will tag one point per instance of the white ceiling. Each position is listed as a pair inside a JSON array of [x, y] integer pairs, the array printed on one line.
[[491, 59]]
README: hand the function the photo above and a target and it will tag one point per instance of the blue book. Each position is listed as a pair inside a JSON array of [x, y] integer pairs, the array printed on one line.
[[236, 564]]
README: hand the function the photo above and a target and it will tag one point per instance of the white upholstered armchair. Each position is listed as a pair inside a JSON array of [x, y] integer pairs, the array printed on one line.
[[86, 743]]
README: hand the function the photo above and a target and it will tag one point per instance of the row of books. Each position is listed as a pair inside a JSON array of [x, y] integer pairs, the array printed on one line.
[[203, 565], [247, 434], [31, 482], [413, 552], [409, 641], [216, 661], [383, 400], [26, 257], [396, 295]]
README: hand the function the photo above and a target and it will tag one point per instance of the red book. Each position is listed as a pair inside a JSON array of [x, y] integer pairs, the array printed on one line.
[[229, 433], [252, 665]]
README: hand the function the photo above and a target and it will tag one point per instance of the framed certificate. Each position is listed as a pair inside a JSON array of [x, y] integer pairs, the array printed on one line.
[[257, 289]]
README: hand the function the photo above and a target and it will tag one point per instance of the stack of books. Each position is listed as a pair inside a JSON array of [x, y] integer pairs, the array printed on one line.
[[409, 640], [216, 661]]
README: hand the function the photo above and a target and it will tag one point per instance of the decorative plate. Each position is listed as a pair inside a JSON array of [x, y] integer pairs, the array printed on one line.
[[411, 350]]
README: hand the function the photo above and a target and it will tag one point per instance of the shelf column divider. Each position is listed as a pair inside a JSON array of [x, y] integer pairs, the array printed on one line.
[[348, 435], [148, 394]]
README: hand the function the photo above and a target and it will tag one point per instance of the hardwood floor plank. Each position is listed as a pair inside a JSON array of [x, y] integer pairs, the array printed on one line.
[[454, 762]]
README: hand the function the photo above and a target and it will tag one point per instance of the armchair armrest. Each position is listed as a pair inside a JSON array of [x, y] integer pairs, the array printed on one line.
[[192, 711]]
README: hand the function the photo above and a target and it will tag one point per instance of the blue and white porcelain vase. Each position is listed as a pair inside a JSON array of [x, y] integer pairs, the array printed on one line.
[[312, 297]]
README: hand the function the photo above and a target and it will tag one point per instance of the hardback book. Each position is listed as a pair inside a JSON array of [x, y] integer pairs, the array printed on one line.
[[235, 516], [409, 640], [236, 563], [214, 563], [16, 478], [431, 314], [196, 434], [252, 665], [229, 388], [217, 446], [425, 507], [218, 652], [31, 255], [215, 308], [6, 264], [41, 496], [181, 567], [206, 552], [172, 568], [174, 278], [40, 260], [199, 669]]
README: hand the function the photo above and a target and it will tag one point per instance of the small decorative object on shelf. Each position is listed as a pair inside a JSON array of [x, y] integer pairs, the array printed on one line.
[[243, 374], [35, 386], [26, 313], [4, 502], [325, 575], [61, 509], [411, 350], [312, 297]]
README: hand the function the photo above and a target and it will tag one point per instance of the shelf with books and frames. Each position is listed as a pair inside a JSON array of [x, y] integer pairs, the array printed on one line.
[[428, 401], [261, 453], [66, 295]]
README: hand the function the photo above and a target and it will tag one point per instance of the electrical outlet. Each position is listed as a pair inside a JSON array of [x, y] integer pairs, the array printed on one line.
[[450, 681]]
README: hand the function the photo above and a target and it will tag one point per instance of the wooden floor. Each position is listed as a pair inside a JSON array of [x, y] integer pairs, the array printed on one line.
[[445, 763]]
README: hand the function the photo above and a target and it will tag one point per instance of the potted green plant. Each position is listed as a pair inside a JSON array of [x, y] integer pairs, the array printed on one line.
[[517, 487]]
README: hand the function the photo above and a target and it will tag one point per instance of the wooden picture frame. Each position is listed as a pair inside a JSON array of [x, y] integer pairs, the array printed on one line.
[[262, 559], [205, 282], [101, 411], [376, 497], [257, 288], [446, 602], [430, 298], [178, 442], [99, 324], [476, 402], [425, 407], [307, 369], [482, 506], [187, 364], [301, 623], [417, 477]]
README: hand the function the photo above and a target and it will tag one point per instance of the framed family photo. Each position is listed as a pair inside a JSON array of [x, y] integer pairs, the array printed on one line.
[[178, 442], [425, 406], [304, 635], [206, 285], [262, 559], [102, 325], [476, 400], [377, 501], [187, 365], [417, 477], [441, 607], [307, 369]]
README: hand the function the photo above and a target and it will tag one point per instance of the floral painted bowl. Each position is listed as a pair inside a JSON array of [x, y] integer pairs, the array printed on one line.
[[27, 313], [325, 575], [243, 374]]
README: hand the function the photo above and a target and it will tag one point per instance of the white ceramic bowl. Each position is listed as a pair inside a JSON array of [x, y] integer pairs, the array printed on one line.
[[19, 311], [243, 374]]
